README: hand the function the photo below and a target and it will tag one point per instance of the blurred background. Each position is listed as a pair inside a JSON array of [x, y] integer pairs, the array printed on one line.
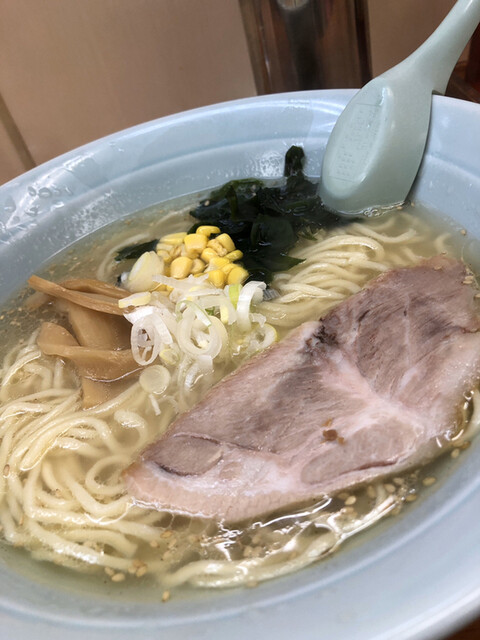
[[74, 71]]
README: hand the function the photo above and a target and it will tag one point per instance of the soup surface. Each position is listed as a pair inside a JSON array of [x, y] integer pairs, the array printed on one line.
[[62, 493]]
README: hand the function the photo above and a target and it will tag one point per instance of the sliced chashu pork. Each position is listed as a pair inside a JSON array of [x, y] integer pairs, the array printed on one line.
[[368, 390]]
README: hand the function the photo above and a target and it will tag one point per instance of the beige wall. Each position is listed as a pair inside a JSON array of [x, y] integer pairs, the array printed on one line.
[[75, 70], [398, 27], [11, 159]]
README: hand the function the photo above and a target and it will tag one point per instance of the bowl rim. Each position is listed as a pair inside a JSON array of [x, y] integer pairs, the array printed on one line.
[[451, 614]]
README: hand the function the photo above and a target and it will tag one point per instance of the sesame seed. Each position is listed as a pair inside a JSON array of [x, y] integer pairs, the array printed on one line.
[[411, 497], [464, 445], [389, 488], [399, 482], [165, 596], [350, 500], [455, 453], [427, 482], [396, 510], [6, 470], [343, 496], [142, 571], [109, 571], [167, 534], [153, 544], [131, 569], [118, 577], [371, 492], [463, 232]]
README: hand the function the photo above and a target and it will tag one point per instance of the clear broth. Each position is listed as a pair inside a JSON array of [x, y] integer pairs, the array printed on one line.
[[281, 538]]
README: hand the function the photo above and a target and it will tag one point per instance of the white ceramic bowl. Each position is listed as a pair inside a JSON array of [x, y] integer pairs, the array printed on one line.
[[415, 577]]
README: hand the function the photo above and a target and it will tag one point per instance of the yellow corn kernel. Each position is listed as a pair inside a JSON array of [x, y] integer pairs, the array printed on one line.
[[198, 266], [225, 240], [135, 300], [237, 275], [173, 239], [195, 242], [218, 262], [228, 267], [207, 230], [217, 277], [190, 253], [162, 245], [217, 247], [234, 255], [176, 252], [165, 255], [208, 254], [180, 267]]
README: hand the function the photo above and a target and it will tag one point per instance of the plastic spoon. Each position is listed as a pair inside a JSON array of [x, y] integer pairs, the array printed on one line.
[[375, 149]]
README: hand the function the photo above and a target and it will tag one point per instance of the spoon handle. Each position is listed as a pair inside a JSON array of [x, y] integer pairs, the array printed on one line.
[[435, 59], [377, 144]]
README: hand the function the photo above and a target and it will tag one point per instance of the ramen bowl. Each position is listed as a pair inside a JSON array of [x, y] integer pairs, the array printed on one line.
[[413, 577]]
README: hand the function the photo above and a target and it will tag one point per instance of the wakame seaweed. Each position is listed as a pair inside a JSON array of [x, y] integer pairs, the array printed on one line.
[[134, 251], [264, 222]]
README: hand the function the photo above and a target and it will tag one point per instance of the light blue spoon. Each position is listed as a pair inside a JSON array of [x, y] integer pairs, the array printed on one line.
[[375, 149]]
